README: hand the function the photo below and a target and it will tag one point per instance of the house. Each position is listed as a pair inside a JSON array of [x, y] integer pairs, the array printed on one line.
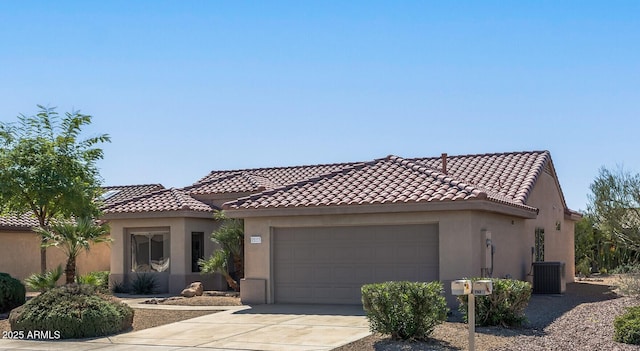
[[20, 246], [316, 233]]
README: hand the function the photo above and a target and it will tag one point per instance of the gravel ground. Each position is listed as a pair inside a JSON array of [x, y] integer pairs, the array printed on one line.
[[197, 301], [581, 319]]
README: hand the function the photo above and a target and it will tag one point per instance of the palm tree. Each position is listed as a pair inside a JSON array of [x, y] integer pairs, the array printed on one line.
[[72, 238], [230, 237]]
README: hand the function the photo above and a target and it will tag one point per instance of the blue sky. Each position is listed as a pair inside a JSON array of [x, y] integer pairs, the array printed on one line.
[[185, 87]]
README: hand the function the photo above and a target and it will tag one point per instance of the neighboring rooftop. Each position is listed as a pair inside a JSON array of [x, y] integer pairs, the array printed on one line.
[[164, 200]]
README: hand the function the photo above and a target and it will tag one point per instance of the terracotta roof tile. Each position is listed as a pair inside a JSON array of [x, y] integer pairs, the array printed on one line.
[[115, 194], [111, 195], [510, 176], [249, 180], [25, 221], [159, 201], [388, 180]]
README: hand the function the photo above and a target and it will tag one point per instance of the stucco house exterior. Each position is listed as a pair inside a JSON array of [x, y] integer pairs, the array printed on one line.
[[20, 246], [316, 233]]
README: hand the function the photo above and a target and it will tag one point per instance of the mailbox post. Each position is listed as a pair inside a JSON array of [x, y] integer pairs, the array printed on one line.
[[480, 288]]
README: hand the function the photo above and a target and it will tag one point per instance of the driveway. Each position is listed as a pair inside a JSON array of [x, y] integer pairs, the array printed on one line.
[[264, 327]]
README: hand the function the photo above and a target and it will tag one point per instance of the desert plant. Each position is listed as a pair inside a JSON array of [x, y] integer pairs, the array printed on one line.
[[627, 326], [404, 310], [97, 279], [583, 268], [73, 237], [119, 287], [74, 311], [12, 293], [144, 284], [629, 284], [505, 306], [230, 238], [44, 281]]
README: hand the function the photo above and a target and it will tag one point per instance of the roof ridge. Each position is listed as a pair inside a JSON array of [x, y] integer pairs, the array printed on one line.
[[485, 154], [136, 198], [132, 185], [480, 192], [286, 187], [278, 168]]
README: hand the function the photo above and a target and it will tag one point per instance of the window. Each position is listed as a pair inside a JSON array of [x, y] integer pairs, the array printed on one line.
[[197, 250], [539, 242], [150, 251]]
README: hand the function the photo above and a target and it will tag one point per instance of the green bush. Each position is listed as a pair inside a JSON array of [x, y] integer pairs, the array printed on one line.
[[144, 284], [505, 306], [44, 281], [97, 279], [404, 310], [627, 326], [12, 293], [73, 311], [583, 268]]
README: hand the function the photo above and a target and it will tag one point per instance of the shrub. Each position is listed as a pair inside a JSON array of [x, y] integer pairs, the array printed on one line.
[[119, 288], [404, 310], [583, 268], [97, 279], [12, 293], [505, 306], [627, 326], [75, 311], [144, 284], [629, 284], [626, 268], [44, 281]]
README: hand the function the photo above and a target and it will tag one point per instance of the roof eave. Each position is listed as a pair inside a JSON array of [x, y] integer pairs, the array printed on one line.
[[158, 214], [469, 205]]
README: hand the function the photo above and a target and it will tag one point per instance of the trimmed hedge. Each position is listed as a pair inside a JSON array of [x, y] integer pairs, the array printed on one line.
[[627, 326], [404, 310], [75, 311], [12, 293], [505, 306]]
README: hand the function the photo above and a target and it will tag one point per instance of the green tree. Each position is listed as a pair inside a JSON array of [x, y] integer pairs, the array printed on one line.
[[230, 238], [73, 237], [615, 208], [47, 170]]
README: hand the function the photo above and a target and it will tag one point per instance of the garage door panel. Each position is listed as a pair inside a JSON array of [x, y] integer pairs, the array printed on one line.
[[330, 264]]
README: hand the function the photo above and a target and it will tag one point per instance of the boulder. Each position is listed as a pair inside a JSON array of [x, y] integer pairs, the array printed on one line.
[[194, 289]]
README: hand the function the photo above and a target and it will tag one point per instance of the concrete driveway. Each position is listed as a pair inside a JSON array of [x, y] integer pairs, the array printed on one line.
[[264, 327]]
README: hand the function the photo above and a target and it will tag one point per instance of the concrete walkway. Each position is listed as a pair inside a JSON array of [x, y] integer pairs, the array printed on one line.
[[264, 327]]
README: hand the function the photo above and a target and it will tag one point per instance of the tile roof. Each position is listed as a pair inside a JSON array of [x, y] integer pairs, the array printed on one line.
[[12, 221], [159, 201], [259, 179], [511, 175], [115, 194], [389, 180]]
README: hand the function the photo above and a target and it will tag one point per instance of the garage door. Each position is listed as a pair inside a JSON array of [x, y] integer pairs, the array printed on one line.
[[330, 264]]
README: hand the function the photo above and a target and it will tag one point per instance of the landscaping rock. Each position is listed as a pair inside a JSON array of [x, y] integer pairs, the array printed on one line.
[[194, 289]]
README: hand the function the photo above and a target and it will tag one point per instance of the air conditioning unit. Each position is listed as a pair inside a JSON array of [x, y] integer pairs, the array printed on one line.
[[549, 278]]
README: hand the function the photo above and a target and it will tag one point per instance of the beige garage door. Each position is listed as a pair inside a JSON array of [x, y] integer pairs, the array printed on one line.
[[330, 264]]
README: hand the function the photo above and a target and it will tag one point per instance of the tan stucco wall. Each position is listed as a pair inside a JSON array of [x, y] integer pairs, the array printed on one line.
[[461, 241], [180, 230], [20, 256], [559, 244]]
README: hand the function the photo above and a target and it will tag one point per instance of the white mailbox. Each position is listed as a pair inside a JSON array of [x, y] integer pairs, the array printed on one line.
[[482, 287], [461, 287]]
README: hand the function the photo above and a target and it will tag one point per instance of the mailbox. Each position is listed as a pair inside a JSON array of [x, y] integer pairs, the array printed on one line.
[[461, 287], [482, 287]]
